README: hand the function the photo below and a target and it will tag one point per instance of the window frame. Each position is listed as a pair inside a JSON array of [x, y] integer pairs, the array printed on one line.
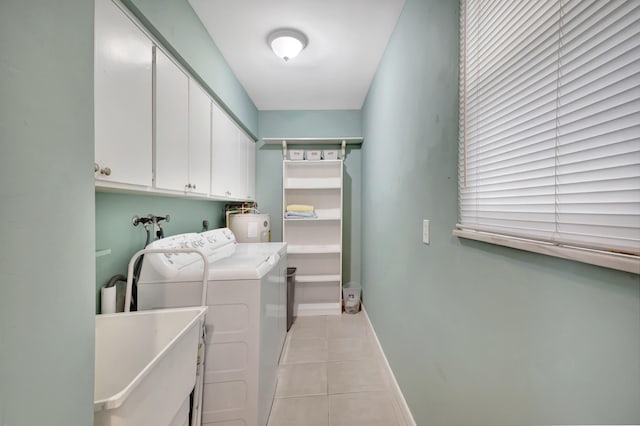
[[601, 257]]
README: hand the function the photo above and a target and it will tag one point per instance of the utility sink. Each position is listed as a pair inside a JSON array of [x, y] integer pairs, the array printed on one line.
[[145, 366]]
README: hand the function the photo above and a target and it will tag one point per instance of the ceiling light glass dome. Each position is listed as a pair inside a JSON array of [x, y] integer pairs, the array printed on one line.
[[287, 43]]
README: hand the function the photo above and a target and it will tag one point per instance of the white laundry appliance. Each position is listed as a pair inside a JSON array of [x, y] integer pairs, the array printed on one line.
[[246, 321]]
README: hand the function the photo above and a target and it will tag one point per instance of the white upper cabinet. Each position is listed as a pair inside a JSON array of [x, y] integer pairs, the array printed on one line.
[[233, 159], [224, 154], [199, 139], [251, 168], [172, 124], [183, 130], [156, 129], [239, 172], [123, 98]]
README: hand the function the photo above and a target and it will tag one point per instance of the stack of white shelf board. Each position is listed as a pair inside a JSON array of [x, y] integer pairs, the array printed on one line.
[[315, 244]]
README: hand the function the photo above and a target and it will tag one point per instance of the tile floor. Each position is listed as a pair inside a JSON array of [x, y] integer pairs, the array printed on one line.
[[332, 374]]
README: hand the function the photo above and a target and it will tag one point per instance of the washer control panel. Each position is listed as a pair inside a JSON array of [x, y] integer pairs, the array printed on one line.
[[216, 244]]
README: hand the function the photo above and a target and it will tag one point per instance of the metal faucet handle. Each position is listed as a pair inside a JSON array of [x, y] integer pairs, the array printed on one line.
[[149, 219], [166, 218]]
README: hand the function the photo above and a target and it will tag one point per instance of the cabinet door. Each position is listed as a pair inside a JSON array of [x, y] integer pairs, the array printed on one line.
[[223, 153], [199, 139], [251, 168], [239, 171], [172, 124], [122, 97]]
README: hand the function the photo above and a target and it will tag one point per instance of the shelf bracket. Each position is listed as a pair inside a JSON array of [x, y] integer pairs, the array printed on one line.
[[344, 147], [284, 149]]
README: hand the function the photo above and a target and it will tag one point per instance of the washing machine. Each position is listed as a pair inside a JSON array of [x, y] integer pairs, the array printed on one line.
[[246, 321]]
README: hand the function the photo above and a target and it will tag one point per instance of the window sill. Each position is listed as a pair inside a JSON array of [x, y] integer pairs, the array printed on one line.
[[620, 262]]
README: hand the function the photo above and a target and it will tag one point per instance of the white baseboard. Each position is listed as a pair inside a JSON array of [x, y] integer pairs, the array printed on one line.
[[405, 412], [316, 309]]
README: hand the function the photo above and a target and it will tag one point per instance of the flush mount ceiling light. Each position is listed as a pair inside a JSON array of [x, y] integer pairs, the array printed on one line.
[[287, 43]]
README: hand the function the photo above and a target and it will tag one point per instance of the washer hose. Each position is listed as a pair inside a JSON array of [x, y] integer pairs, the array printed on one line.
[[114, 279]]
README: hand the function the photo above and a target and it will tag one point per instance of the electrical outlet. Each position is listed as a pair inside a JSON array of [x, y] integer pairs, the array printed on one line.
[[425, 231]]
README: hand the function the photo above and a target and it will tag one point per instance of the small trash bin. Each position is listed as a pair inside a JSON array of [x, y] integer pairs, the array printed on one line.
[[351, 296], [291, 288]]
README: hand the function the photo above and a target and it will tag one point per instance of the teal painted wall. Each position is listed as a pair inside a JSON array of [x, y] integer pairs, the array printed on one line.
[[476, 334], [312, 124], [178, 28], [46, 213], [115, 231]]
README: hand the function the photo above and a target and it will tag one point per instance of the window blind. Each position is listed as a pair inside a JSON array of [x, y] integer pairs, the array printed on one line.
[[550, 121]]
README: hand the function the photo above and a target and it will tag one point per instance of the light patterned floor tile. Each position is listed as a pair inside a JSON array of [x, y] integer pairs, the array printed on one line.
[[302, 380], [356, 376], [309, 327], [347, 326], [307, 411], [338, 356], [305, 350], [349, 348]]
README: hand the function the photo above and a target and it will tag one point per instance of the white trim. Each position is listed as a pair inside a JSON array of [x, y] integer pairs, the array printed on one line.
[[313, 249], [405, 413], [327, 278], [317, 309], [103, 252], [291, 163], [620, 262], [347, 140], [127, 188]]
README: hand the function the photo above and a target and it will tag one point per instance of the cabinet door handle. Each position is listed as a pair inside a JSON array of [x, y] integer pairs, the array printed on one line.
[[194, 186], [188, 185], [106, 171], [96, 167]]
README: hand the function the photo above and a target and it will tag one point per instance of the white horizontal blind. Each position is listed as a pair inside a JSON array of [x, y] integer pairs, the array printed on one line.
[[550, 121]]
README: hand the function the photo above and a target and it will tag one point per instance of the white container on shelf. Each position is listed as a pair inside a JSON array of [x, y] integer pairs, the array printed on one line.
[[296, 154], [313, 155], [330, 154]]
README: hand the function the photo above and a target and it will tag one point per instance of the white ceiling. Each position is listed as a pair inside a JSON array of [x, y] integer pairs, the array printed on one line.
[[346, 41]]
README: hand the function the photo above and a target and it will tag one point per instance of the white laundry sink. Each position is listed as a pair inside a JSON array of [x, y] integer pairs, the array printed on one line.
[[145, 366]]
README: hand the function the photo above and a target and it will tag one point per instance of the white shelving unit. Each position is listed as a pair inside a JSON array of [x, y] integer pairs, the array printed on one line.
[[315, 244]]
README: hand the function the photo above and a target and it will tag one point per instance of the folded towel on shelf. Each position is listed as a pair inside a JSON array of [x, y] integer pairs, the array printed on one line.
[[300, 215], [300, 208]]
